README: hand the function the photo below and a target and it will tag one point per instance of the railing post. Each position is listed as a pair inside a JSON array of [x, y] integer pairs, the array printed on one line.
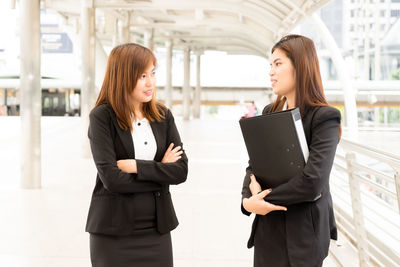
[[397, 182], [358, 218]]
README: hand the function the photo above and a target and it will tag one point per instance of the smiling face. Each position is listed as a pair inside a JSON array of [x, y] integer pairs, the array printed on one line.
[[282, 74], [145, 86]]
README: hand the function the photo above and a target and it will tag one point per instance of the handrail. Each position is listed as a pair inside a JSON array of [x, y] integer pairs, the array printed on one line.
[[391, 158], [374, 242]]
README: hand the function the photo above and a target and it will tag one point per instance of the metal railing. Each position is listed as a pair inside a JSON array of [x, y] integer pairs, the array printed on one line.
[[365, 185]]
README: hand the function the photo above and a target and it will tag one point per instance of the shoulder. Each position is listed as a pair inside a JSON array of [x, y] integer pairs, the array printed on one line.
[[267, 109], [102, 112], [325, 113], [165, 112]]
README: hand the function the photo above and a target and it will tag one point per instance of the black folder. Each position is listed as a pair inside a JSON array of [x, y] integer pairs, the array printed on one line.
[[276, 145]]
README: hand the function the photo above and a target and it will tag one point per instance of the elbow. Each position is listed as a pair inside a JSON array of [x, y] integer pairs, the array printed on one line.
[[314, 191], [182, 177], [109, 183], [110, 186]]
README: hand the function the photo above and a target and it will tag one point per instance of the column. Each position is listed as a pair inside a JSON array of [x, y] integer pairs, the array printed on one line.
[[168, 79], [31, 110], [186, 84], [88, 50], [148, 39], [115, 38], [366, 39], [356, 39], [124, 30], [197, 91], [377, 117], [377, 41]]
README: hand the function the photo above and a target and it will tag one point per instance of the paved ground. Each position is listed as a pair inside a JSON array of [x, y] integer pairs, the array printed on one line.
[[45, 228]]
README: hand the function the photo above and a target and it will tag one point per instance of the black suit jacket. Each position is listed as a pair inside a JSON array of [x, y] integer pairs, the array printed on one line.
[[310, 223], [112, 204]]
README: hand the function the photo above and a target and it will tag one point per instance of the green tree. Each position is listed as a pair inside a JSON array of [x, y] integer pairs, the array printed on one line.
[[396, 74]]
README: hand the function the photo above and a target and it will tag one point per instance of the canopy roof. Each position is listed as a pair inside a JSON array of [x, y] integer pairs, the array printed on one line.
[[234, 26]]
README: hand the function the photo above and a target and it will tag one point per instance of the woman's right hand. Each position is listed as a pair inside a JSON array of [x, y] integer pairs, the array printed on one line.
[[256, 204], [172, 154]]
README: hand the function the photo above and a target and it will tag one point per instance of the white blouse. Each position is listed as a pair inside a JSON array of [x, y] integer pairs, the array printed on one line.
[[284, 106], [144, 141]]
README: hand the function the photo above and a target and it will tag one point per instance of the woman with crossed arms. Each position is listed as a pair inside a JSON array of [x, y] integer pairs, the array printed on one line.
[[138, 153]]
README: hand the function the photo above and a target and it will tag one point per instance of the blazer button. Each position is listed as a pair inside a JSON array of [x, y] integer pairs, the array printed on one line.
[[158, 194]]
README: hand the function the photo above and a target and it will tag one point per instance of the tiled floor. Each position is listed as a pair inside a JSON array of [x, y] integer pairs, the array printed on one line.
[[45, 228]]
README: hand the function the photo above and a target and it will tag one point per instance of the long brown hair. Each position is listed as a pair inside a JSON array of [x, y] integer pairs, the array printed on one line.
[[126, 63], [309, 91]]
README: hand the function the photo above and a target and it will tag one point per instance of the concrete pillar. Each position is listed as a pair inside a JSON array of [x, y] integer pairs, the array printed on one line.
[[377, 41], [88, 50], [366, 39], [356, 39], [197, 91], [377, 116], [385, 115], [168, 79], [148, 39], [186, 84], [31, 110], [124, 30], [115, 38]]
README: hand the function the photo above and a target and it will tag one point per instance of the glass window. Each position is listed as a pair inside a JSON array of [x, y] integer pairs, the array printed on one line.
[[46, 102], [394, 13], [55, 102]]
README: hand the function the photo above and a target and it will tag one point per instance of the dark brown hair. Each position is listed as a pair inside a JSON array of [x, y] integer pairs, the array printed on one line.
[[309, 91], [126, 63], [303, 56]]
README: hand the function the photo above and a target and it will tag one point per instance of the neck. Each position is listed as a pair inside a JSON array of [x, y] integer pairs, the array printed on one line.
[[137, 110], [291, 101]]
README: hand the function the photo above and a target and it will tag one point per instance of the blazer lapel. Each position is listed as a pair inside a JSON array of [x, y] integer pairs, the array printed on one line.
[[158, 135], [125, 136]]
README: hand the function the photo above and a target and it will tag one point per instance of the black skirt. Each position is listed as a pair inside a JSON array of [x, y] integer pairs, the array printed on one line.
[[146, 248]]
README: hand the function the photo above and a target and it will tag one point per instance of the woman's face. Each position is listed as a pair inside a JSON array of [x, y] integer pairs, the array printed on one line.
[[282, 74], [145, 86]]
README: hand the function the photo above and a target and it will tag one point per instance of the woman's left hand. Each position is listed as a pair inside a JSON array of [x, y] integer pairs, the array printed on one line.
[[254, 186], [127, 165]]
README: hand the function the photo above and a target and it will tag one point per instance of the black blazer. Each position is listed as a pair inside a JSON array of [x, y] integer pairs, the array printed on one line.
[[309, 224], [110, 209]]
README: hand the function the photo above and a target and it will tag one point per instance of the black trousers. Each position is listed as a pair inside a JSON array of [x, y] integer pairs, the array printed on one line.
[[147, 248]]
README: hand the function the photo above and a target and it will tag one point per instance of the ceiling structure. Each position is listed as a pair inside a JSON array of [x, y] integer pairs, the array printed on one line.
[[247, 27]]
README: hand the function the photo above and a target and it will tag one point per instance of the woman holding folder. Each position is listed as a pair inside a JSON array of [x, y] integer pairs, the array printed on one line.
[[295, 220], [138, 153]]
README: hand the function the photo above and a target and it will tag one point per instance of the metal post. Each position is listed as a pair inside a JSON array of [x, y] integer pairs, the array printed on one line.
[[397, 182], [186, 84], [197, 91], [88, 50], [168, 78], [358, 218], [30, 51]]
